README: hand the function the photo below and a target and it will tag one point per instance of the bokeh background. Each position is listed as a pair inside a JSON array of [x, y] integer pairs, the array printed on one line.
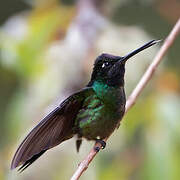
[[47, 50]]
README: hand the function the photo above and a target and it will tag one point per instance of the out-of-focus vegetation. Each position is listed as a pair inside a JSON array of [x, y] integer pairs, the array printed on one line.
[[47, 49]]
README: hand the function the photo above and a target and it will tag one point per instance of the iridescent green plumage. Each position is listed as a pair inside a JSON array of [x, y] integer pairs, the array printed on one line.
[[101, 111], [92, 113]]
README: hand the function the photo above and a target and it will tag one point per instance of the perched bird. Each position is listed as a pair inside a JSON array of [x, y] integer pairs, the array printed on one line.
[[92, 113]]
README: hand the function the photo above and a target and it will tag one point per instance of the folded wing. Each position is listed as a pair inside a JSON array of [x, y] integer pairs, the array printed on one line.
[[51, 131]]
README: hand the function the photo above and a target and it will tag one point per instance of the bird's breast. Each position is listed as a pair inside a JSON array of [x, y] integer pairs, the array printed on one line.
[[114, 97], [101, 112]]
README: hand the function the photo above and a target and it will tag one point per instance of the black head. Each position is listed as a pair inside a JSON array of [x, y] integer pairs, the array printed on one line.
[[103, 66], [110, 69]]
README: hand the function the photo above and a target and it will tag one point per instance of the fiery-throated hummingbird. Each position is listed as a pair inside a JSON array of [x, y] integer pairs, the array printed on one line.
[[92, 113]]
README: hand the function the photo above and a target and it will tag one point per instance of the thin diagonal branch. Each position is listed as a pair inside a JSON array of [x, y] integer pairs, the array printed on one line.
[[136, 92]]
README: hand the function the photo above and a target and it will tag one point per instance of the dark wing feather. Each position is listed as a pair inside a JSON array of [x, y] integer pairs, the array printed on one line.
[[51, 131], [30, 161]]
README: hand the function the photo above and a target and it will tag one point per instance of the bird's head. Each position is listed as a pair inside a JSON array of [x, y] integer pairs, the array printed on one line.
[[110, 69]]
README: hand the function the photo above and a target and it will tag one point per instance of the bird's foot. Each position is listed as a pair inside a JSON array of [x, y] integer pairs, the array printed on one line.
[[103, 144]]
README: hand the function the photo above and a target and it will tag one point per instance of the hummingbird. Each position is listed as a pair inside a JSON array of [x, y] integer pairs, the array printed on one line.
[[92, 113]]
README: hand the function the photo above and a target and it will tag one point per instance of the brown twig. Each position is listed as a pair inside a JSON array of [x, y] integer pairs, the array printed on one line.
[[136, 92]]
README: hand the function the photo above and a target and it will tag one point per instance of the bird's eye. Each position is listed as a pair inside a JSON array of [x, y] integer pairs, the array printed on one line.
[[105, 64]]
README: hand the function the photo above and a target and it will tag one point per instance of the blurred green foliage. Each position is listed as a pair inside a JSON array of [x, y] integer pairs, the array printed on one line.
[[46, 53]]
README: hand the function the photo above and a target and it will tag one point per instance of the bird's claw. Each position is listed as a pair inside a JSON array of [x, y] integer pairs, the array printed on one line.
[[97, 149], [103, 144]]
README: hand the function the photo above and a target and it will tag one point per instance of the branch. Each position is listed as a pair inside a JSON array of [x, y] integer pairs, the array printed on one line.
[[136, 92]]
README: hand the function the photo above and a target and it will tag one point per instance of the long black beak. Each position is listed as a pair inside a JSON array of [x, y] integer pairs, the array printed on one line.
[[145, 46]]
